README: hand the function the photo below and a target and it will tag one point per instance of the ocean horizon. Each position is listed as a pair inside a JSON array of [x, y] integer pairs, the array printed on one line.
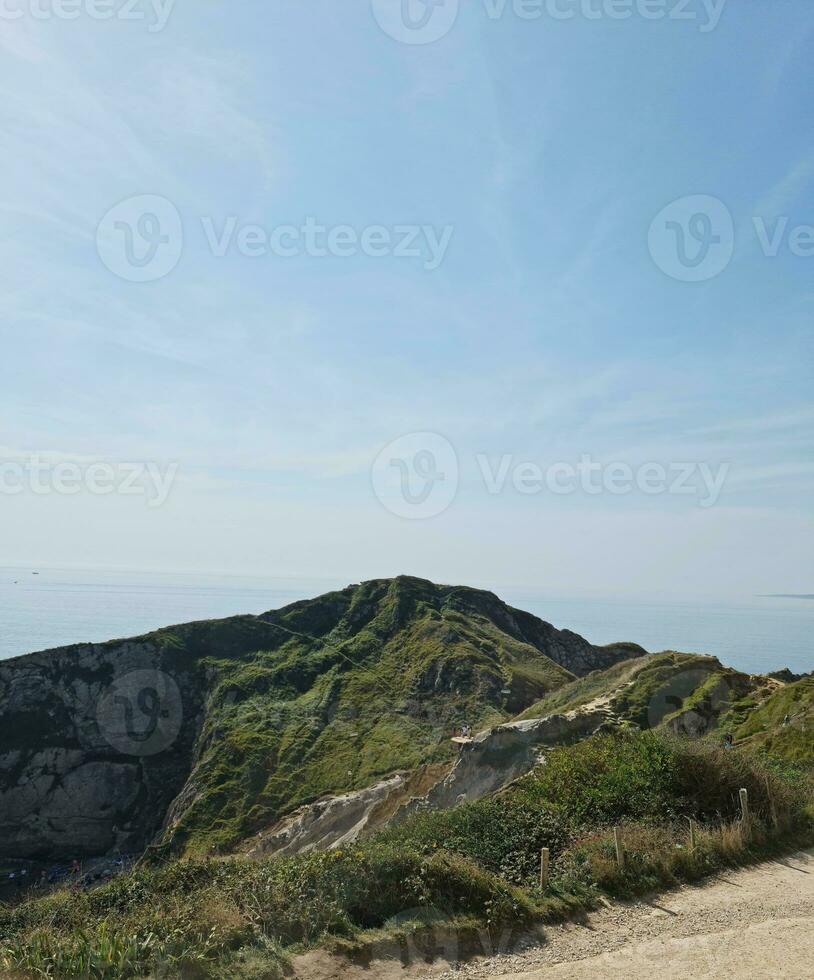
[[45, 608]]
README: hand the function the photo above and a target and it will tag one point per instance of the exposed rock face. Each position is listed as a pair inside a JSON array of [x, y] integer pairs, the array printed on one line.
[[199, 735], [497, 757], [339, 820], [328, 823], [74, 781], [490, 762]]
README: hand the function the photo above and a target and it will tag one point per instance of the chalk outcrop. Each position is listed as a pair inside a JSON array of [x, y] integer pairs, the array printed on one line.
[[492, 760], [498, 756]]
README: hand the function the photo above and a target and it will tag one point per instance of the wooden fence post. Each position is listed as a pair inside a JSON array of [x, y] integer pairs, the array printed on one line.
[[693, 841], [744, 797], [772, 807], [620, 853], [544, 862]]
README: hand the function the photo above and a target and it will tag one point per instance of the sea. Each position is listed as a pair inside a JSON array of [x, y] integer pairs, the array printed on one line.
[[42, 608]]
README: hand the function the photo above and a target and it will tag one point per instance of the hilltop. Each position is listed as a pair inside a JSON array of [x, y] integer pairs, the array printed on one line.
[[198, 735]]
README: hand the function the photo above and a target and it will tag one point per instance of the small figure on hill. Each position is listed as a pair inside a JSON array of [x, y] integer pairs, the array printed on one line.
[[729, 740]]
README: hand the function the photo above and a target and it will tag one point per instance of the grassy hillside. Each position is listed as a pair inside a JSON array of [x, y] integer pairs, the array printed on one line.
[[373, 679], [584, 690], [474, 866], [696, 695], [361, 683], [783, 725], [321, 697], [688, 693]]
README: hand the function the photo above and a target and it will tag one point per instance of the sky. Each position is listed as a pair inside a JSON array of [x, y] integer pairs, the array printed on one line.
[[506, 294]]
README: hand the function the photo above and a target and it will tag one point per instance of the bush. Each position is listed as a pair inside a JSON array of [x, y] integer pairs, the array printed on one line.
[[503, 835], [605, 779]]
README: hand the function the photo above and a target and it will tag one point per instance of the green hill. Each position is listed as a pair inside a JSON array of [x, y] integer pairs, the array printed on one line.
[[687, 693], [252, 716]]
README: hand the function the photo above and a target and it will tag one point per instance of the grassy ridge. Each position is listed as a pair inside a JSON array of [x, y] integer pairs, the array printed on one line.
[[349, 687], [478, 862], [691, 693], [599, 683]]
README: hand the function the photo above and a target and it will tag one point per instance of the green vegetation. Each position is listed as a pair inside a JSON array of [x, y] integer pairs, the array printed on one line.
[[477, 863], [765, 727], [345, 689], [602, 781], [682, 691], [578, 693], [328, 695], [322, 697]]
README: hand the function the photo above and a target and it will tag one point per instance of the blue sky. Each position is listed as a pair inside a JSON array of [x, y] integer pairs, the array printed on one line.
[[548, 332]]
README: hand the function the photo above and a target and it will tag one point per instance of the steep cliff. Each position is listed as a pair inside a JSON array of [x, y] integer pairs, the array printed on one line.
[[197, 736]]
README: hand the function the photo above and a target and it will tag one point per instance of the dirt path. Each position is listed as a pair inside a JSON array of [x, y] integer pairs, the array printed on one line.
[[756, 923]]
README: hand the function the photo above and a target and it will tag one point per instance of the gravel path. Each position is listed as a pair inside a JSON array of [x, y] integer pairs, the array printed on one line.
[[755, 923]]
